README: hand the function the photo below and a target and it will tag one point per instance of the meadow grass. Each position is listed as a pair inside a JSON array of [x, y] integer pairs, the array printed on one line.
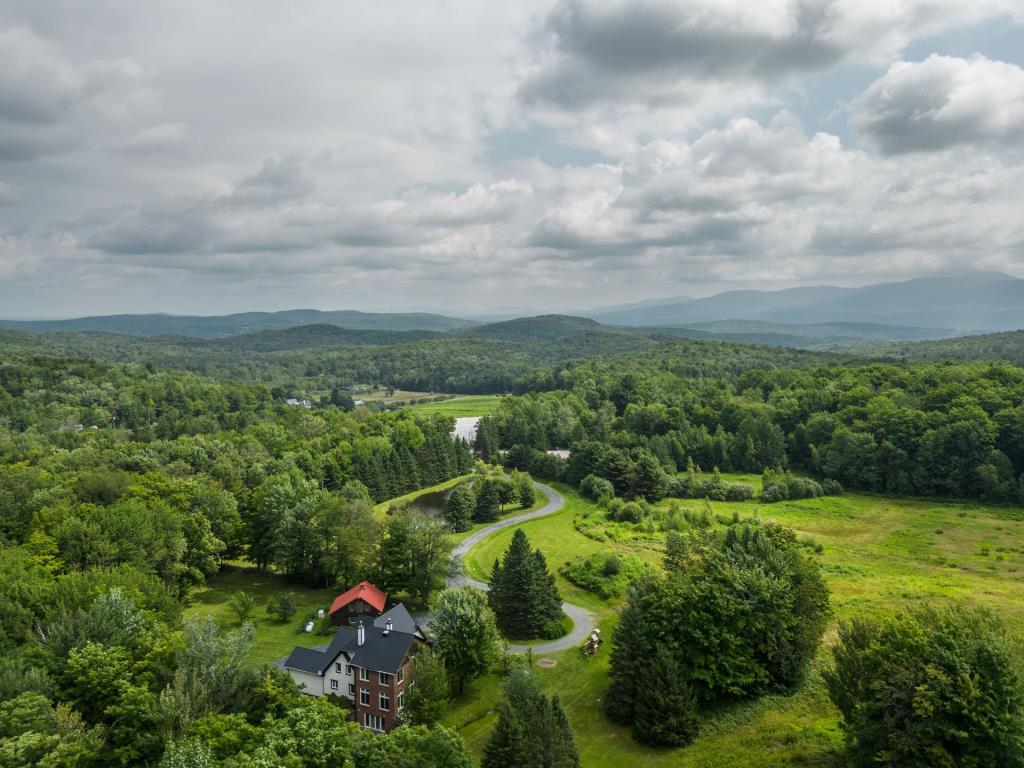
[[880, 555], [457, 407]]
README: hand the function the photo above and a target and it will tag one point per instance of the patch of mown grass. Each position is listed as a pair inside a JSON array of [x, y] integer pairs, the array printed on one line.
[[273, 639], [457, 407]]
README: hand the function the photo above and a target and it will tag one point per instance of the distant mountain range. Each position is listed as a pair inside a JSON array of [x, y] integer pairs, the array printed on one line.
[[921, 309], [217, 326], [977, 301]]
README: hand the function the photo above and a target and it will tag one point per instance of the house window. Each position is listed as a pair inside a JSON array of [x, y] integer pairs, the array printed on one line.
[[351, 690], [364, 697], [334, 685], [348, 670], [385, 702], [337, 666], [384, 678], [373, 722], [364, 674], [401, 674], [401, 700]]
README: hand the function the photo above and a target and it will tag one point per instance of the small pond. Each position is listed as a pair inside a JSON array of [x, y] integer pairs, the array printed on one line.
[[432, 502]]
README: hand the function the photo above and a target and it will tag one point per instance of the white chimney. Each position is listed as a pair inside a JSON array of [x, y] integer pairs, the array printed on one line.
[[387, 628], [360, 633]]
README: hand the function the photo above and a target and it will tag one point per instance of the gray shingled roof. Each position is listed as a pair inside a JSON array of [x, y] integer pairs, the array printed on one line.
[[380, 652], [401, 620]]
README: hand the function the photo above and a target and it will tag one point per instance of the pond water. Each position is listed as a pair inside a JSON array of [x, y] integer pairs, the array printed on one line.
[[432, 502]]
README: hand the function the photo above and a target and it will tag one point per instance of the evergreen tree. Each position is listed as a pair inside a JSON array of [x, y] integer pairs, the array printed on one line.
[[523, 594], [665, 707], [486, 443], [507, 745], [525, 493], [458, 510], [532, 730], [563, 747], [488, 501], [626, 659]]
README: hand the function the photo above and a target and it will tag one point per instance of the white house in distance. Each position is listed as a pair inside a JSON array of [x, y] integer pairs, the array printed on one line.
[[371, 664]]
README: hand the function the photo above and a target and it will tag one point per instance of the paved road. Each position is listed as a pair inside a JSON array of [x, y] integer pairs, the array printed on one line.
[[582, 620]]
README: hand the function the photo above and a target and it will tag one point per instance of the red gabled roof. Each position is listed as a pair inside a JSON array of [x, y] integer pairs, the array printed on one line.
[[365, 591]]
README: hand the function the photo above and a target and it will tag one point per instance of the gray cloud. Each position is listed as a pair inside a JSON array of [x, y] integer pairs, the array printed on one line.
[[941, 102], [658, 52]]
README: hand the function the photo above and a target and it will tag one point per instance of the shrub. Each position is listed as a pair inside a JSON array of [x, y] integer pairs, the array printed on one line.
[[594, 487], [556, 628], [831, 487], [282, 606], [607, 575], [627, 512]]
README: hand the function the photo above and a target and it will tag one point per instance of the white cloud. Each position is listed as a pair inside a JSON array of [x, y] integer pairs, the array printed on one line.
[[941, 102]]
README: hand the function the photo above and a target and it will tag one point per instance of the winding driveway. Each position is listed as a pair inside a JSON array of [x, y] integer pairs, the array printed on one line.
[[582, 620]]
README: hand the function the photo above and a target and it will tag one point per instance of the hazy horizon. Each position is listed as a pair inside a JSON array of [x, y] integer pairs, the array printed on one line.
[[461, 313], [198, 158]]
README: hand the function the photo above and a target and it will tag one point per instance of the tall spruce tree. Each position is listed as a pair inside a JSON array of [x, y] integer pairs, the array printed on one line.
[[458, 509], [532, 730], [488, 501], [665, 708], [523, 594], [620, 700], [507, 745]]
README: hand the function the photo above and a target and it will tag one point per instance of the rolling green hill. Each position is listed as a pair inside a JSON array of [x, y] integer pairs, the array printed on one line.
[[216, 326]]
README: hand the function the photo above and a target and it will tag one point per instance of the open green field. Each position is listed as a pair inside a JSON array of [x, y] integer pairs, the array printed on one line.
[[880, 555], [273, 639], [457, 407], [382, 396]]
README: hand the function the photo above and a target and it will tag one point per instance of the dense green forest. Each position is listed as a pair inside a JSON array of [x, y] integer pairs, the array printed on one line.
[[952, 430], [1008, 346], [498, 358]]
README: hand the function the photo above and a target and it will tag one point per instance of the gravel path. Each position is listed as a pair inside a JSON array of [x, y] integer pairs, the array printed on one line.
[[582, 620]]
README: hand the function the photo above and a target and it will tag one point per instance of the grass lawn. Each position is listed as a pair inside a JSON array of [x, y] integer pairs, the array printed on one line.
[[273, 639], [539, 501], [881, 555], [470, 405]]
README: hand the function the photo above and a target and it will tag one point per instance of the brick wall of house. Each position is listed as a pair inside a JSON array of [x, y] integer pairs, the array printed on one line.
[[393, 689]]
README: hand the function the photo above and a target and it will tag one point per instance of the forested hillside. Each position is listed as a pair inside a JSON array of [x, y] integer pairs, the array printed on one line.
[[922, 429], [216, 326], [1008, 346], [316, 359]]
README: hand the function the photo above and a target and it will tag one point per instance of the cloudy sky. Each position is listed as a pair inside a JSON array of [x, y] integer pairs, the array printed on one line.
[[197, 156]]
